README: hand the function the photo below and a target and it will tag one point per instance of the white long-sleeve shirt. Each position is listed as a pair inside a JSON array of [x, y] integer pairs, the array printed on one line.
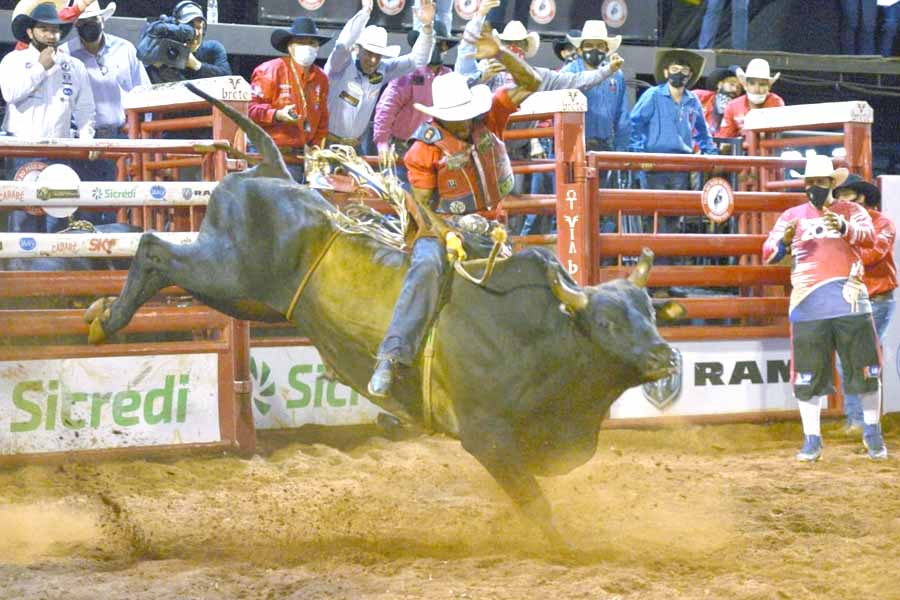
[[351, 95], [42, 102]]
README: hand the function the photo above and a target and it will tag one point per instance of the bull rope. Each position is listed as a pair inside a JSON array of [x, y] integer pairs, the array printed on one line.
[[309, 273]]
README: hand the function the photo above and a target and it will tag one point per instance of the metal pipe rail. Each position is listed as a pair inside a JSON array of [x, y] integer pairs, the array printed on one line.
[[690, 244], [52, 322], [648, 161]]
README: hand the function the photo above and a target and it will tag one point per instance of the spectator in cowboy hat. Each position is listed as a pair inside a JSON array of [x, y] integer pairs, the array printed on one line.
[[206, 58], [830, 309], [45, 90], [112, 67], [880, 277], [396, 119], [757, 81], [67, 13], [361, 63], [515, 37], [290, 93], [722, 86]]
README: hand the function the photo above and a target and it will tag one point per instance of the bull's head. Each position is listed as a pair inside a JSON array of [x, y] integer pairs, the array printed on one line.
[[620, 317]]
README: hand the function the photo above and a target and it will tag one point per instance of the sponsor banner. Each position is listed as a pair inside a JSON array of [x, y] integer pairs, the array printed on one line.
[[230, 88], [100, 403], [86, 245], [16, 194], [288, 391], [717, 377]]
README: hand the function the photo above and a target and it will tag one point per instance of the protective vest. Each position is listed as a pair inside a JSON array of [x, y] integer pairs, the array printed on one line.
[[471, 177]]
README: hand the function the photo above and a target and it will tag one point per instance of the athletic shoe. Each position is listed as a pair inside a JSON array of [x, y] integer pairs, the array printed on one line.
[[874, 442], [812, 448]]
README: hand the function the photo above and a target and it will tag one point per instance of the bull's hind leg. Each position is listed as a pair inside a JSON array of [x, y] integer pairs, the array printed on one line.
[[157, 264]]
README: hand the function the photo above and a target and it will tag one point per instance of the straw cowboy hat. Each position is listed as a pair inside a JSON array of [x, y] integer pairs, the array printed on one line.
[[375, 39], [596, 30], [758, 68], [861, 186], [819, 165], [516, 32], [683, 57], [93, 10], [29, 12], [454, 100], [302, 27]]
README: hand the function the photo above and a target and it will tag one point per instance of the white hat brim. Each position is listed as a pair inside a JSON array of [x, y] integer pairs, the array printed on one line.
[[388, 51], [839, 175], [612, 43], [481, 101], [743, 76], [104, 14]]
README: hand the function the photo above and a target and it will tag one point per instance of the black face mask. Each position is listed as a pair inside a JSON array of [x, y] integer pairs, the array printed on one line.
[[593, 57], [817, 195], [677, 79], [90, 32], [375, 78]]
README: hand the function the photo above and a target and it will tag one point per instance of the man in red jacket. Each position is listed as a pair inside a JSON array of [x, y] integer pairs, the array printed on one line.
[[290, 93], [757, 81], [880, 275]]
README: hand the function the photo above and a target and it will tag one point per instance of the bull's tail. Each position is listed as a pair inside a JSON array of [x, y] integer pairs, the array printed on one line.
[[272, 164]]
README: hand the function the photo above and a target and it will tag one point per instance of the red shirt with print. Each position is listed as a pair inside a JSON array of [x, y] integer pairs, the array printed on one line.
[[736, 112], [275, 85]]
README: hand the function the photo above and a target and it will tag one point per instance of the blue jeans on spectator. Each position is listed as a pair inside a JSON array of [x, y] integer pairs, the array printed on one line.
[[521, 12], [740, 20], [882, 311], [443, 13], [889, 29], [858, 28]]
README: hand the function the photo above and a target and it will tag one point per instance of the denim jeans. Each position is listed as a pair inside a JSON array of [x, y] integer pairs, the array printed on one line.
[[881, 314], [443, 13], [740, 18], [498, 18], [889, 29], [858, 28]]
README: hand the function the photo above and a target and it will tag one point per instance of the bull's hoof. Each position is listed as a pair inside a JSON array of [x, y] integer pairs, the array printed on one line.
[[97, 309], [96, 335]]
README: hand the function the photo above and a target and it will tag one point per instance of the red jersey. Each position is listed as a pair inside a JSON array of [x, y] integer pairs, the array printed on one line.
[[736, 111], [881, 273], [275, 85], [707, 100], [821, 255]]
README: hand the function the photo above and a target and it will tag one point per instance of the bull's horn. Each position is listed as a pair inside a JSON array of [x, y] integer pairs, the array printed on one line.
[[641, 273], [571, 297]]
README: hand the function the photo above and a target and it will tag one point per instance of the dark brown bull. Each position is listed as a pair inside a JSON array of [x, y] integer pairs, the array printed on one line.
[[523, 384]]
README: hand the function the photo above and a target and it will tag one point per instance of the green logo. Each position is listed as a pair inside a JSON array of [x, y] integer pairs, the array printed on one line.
[[263, 388]]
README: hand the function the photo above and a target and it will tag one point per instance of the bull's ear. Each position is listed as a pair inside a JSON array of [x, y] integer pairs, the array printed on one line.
[[669, 310]]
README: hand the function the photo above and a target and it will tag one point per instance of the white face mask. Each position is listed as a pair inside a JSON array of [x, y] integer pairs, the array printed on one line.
[[303, 55], [757, 98]]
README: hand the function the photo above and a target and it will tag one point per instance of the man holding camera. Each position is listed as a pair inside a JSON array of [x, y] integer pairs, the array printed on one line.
[[197, 59]]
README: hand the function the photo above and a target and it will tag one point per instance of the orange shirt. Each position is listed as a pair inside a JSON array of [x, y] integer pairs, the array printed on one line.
[[422, 159], [275, 86], [736, 112]]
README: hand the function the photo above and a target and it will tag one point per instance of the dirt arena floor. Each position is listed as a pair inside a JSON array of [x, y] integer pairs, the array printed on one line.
[[719, 512]]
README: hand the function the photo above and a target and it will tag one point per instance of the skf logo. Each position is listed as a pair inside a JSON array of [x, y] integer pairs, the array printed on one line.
[[102, 245]]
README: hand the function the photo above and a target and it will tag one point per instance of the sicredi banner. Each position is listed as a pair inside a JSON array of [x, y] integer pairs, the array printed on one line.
[[717, 377], [101, 403], [289, 391]]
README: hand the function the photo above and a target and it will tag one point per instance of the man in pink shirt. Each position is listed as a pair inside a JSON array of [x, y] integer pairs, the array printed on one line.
[[395, 118], [757, 82]]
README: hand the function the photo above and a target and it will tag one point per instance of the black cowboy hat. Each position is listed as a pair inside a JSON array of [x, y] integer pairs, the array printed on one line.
[[301, 27], [717, 75], [560, 44], [861, 186], [30, 13], [440, 35], [695, 61]]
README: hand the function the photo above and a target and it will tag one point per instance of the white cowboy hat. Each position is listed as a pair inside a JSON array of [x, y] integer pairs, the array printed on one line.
[[94, 10], [758, 68], [454, 100], [819, 165], [516, 32], [596, 30], [374, 39]]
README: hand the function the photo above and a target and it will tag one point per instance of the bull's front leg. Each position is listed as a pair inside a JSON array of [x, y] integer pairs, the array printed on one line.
[[493, 444], [148, 274]]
